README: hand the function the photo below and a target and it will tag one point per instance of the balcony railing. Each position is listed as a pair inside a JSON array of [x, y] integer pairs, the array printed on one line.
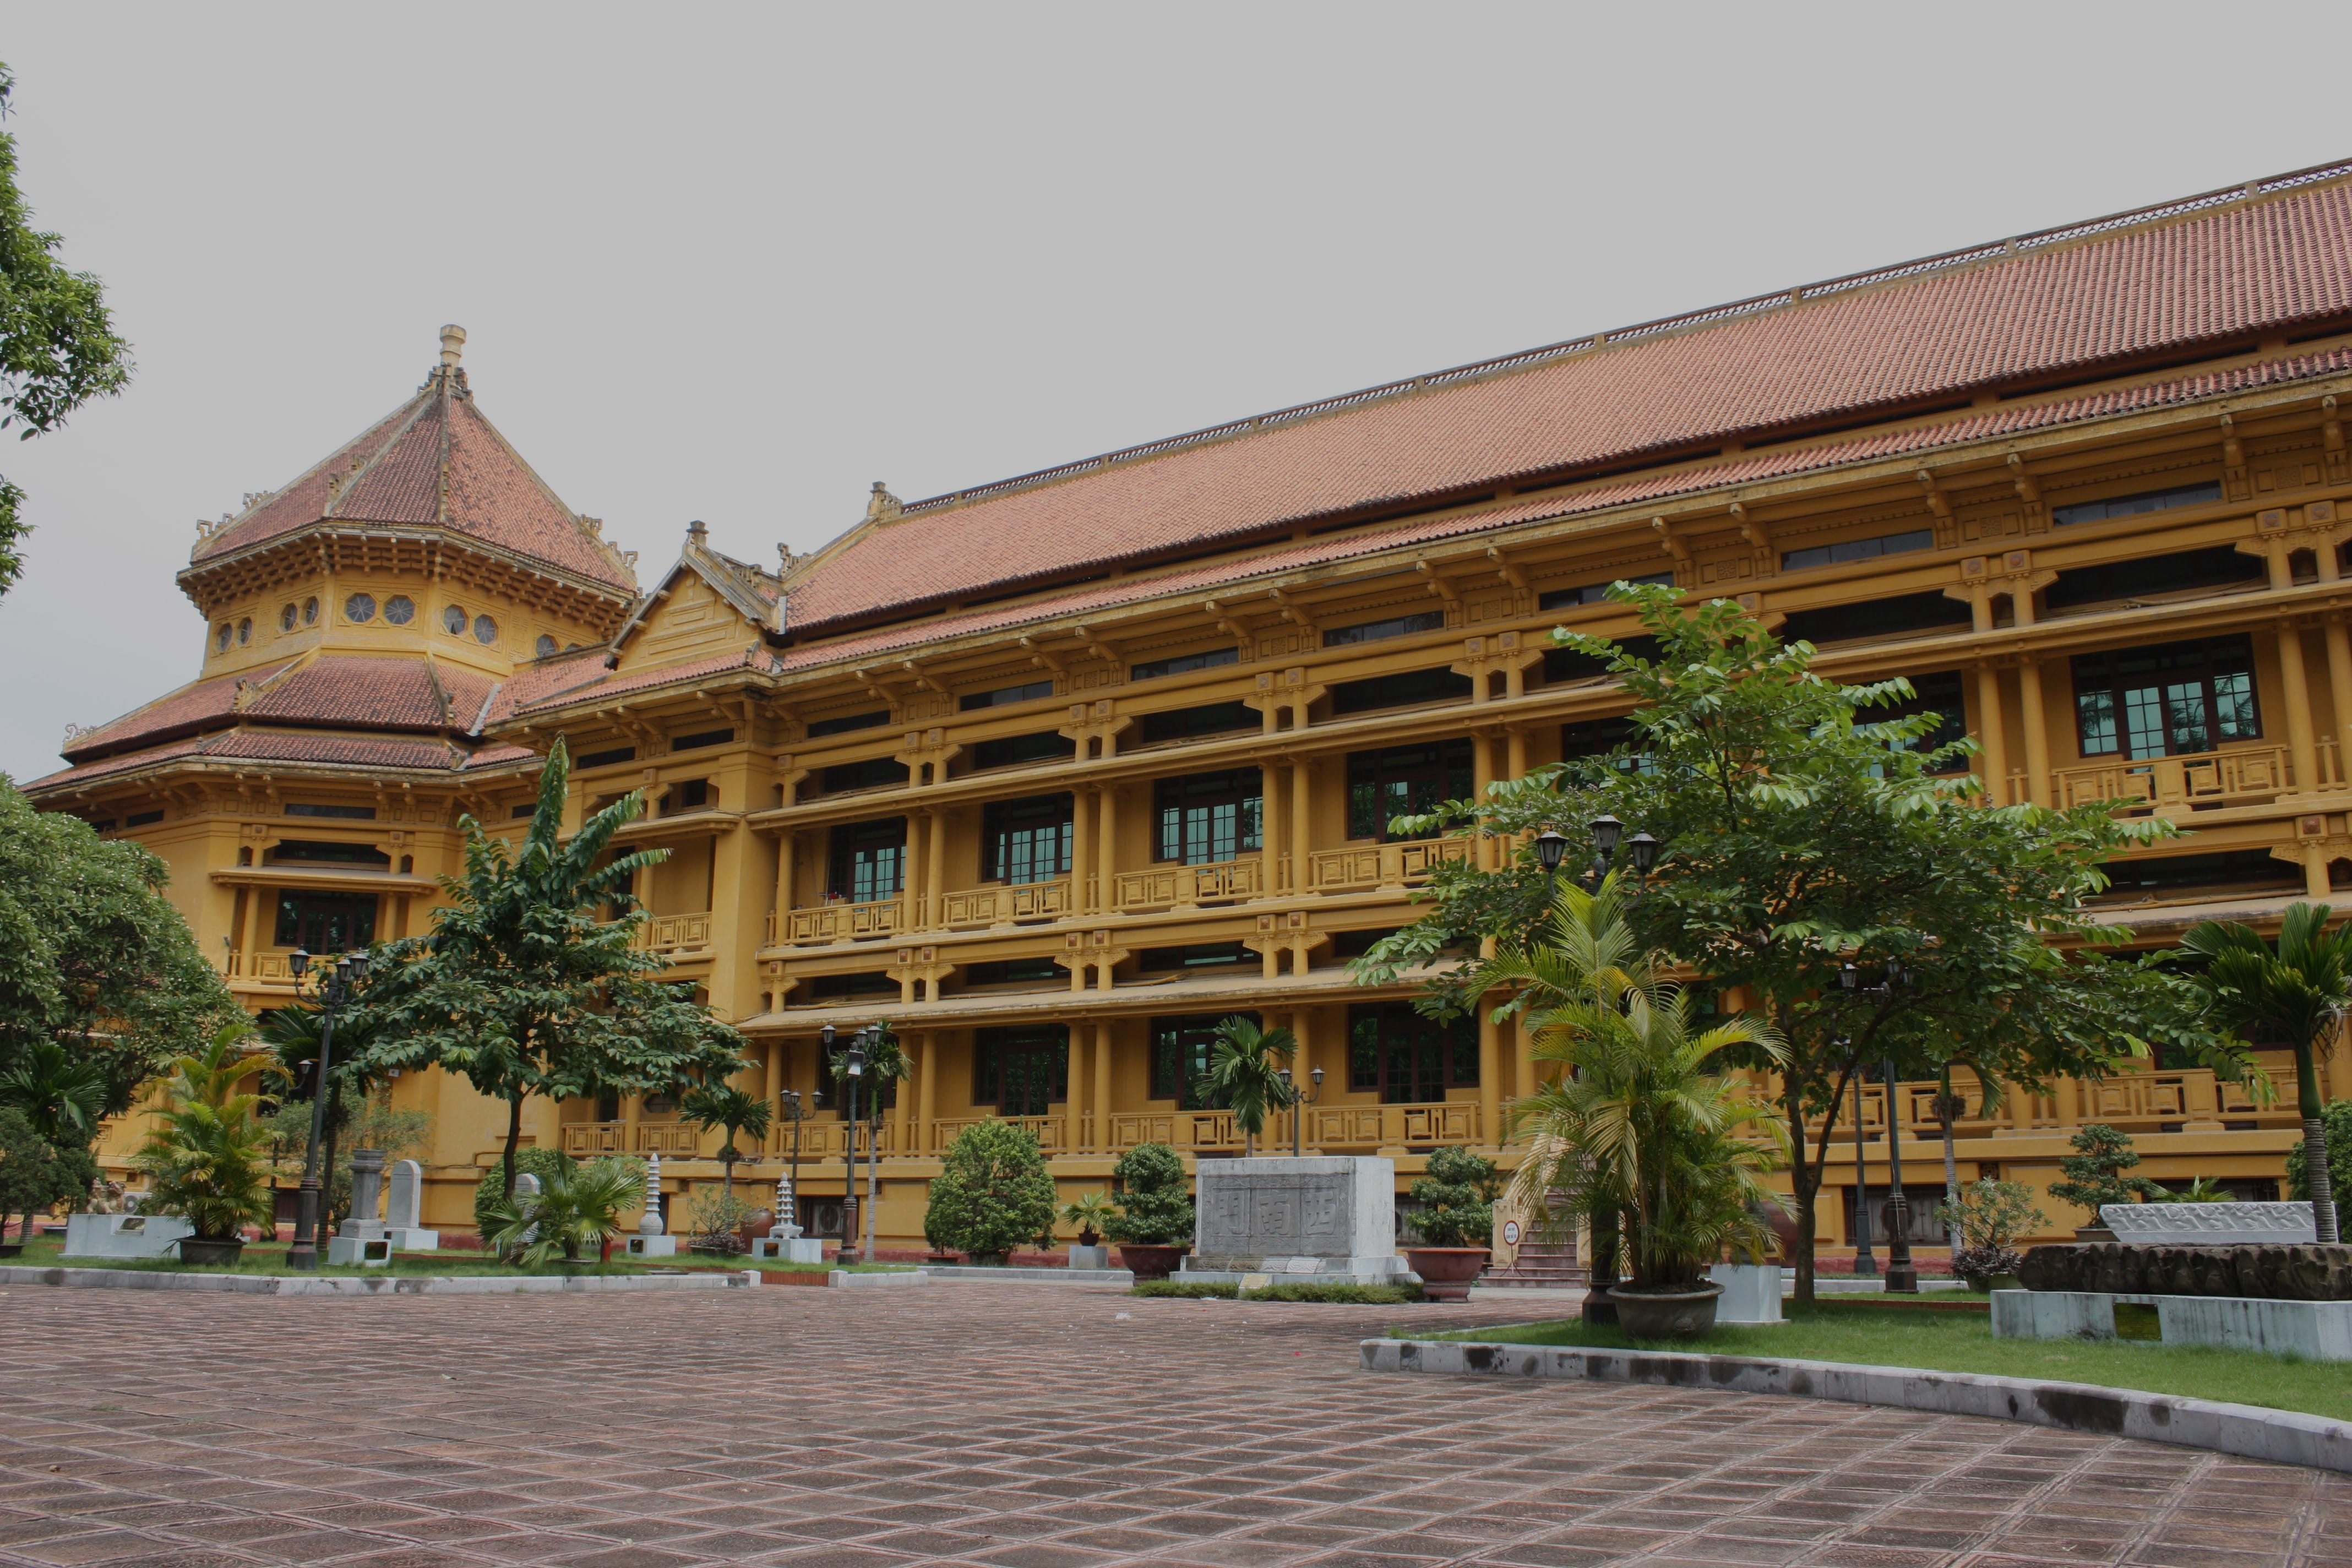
[[263, 967], [1004, 906], [2204, 778], [847, 922], [2134, 1102], [1392, 1126], [1372, 866], [1187, 887], [680, 936]]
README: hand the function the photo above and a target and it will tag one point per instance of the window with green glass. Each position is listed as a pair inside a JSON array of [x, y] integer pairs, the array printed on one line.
[[1405, 1057], [869, 860], [1021, 1071], [1401, 781], [1025, 840], [2174, 699], [1179, 1055], [1206, 819]]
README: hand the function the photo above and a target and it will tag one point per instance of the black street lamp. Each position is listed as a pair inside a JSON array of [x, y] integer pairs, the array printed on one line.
[[875, 1035], [334, 990], [1298, 1099], [1551, 846]]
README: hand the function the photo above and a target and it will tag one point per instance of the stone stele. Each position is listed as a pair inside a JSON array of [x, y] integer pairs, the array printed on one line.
[[403, 1210], [2208, 1225], [1329, 1217]]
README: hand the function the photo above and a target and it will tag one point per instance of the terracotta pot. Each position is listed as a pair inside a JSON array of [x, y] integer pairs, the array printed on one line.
[[1666, 1314], [1151, 1262], [1446, 1272], [211, 1254]]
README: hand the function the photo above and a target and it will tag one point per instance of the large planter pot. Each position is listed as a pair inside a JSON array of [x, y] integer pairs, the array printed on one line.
[[204, 1253], [1446, 1272], [1666, 1314], [1984, 1284], [1151, 1262]]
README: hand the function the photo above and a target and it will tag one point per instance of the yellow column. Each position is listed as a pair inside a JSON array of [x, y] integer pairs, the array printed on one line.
[[1107, 873], [1102, 1084], [632, 1111], [1082, 851], [257, 898], [2339, 694], [935, 870], [1518, 752], [1302, 1064], [2297, 691], [2037, 737], [1490, 1070], [910, 874], [1992, 762], [1302, 842], [1482, 773], [773, 1086], [1072, 1105], [784, 884], [1270, 856], [926, 1086]]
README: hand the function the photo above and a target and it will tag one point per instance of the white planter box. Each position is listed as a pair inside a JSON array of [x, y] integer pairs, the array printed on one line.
[[1751, 1292]]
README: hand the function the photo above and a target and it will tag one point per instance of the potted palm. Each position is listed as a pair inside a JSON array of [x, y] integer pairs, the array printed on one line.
[[1456, 1222], [578, 1206], [1089, 1213], [207, 1162], [1640, 1126], [1153, 1225]]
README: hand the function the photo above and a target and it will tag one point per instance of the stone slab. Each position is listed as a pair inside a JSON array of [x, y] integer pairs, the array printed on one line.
[[1322, 1214], [403, 1206], [2314, 1330], [385, 1285], [124, 1234], [842, 1279], [2208, 1225], [1751, 1292], [1089, 1257], [2283, 1435]]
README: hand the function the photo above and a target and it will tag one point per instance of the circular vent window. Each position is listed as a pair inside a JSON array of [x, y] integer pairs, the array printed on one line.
[[400, 609], [360, 607]]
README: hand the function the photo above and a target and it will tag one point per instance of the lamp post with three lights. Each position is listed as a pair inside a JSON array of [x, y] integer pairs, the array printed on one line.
[[1299, 1098], [335, 987], [854, 1069]]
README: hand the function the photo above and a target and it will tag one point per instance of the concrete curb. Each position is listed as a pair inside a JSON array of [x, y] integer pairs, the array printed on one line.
[[2283, 1435], [842, 1279], [961, 1271], [382, 1284]]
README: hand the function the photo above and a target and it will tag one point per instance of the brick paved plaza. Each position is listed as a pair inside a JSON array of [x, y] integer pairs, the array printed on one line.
[[1031, 1427]]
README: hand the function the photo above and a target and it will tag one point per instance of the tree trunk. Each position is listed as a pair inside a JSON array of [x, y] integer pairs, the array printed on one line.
[[2315, 1146], [327, 1162], [1804, 1182]]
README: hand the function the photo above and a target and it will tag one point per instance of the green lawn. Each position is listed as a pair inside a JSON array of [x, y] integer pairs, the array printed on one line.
[[269, 1258], [1963, 1342]]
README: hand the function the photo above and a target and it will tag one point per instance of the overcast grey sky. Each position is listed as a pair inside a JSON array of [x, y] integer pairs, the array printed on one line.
[[737, 262]]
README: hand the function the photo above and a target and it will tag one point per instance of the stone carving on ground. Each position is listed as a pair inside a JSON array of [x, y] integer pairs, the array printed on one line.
[[2209, 1225]]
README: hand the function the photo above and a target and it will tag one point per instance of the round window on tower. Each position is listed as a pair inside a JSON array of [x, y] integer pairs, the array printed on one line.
[[400, 609], [486, 630], [360, 607], [220, 638], [453, 619], [244, 631], [310, 612], [545, 646], [287, 618]]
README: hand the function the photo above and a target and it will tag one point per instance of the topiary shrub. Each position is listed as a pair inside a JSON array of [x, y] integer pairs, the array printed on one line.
[[1456, 1198], [1155, 1204], [992, 1194]]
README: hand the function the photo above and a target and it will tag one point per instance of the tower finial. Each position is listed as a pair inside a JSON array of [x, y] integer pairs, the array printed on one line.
[[452, 345]]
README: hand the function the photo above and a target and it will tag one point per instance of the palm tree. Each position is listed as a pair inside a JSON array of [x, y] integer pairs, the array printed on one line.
[[1641, 1124], [61, 1092], [732, 1108], [2300, 991], [1245, 1075], [578, 1206], [205, 1162]]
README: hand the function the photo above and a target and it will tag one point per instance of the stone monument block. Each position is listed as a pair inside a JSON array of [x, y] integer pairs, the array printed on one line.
[[124, 1234], [652, 1247], [405, 1210], [2209, 1225], [367, 1197], [368, 1251], [1327, 1216]]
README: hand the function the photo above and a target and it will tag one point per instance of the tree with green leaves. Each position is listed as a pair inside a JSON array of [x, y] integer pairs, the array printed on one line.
[[992, 1192], [2336, 1120], [207, 1158], [2298, 991], [1245, 1075], [1812, 836], [2094, 1171], [36, 1175], [62, 1092], [94, 959], [731, 1110], [1155, 1204], [58, 348], [523, 988]]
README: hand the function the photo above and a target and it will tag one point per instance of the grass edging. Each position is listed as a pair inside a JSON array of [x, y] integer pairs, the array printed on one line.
[[377, 1285], [2285, 1437]]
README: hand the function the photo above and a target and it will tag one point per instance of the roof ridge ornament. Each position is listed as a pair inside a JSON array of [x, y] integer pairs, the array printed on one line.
[[882, 506]]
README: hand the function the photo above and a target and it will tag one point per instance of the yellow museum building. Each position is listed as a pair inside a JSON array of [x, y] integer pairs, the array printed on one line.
[[1055, 772]]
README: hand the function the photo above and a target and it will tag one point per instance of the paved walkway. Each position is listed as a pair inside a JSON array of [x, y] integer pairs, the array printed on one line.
[[1026, 1426]]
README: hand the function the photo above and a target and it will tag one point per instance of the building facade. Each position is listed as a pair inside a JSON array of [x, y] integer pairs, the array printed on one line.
[[1054, 773]]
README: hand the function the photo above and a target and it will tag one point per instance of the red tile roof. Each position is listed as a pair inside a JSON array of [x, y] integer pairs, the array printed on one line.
[[1897, 339], [535, 683], [194, 706], [395, 473], [375, 693], [288, 746]]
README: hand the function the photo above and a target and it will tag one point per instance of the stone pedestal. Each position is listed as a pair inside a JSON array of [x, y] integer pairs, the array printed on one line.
[[367, 1251], [413, 1238], [788, 1248], [124, 1234], [1090, 1257], [2314, 1330], [1751, 1292], [1330, 1218], [403, 1216], [652, 1247]]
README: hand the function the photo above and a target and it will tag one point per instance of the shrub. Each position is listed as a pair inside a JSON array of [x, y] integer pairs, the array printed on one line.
[[1991, 1216], [208, 1162], [716, 1219], [1973, 1263], [1457, 1199], [1155, 1208], [579, 1206], [2095, 1172], [991, 1195], [491, 1190]]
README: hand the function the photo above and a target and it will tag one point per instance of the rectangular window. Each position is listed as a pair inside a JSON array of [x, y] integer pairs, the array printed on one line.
[[844, 725], [871, 983], [1405, 1057], [686, 795], [1021, 1071], [1356, 943], [2133, 505], [142, 818], [2169, 701], [1907, 615], [1027, 971], [1939, 694], [1208, 956], [1380, 631], [1412, 688], [1179, 1055], [869, 860], [1598, 593], [319, 852], [1005, 695], [2185, 572], [700, 738], [874, 772], [1403, 781], [527, 808], [1209, 817], [1025, 840], [2227, 868], [1016, 750], [1210, 719], [103, 825], [355, 813], [1183, 664], [1858, 548], [606, 759], [1566, 664], [325, 922]]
